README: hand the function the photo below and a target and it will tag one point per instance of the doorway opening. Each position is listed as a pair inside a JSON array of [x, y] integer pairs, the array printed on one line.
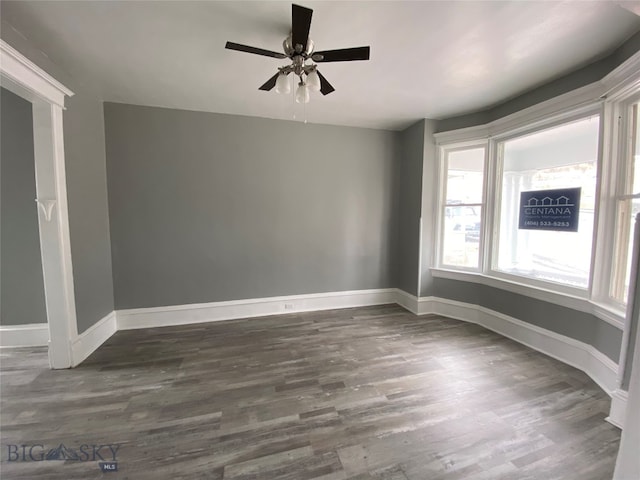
[[25, 79]]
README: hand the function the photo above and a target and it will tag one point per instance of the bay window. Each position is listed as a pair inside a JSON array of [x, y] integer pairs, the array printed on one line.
[[543, 202]]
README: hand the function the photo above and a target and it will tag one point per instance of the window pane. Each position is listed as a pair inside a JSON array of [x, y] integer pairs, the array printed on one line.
[[626, 211], [462, 217], [461, 239], [464, 176], [626, 214], [560, 157]]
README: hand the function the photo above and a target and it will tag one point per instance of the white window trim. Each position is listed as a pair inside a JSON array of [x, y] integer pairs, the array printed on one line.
[[619, 154], [442, 201], [603, 97], [492, 270], [492, 199]]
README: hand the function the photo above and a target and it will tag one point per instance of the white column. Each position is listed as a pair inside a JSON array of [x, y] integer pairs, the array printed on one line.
[[54, 232]]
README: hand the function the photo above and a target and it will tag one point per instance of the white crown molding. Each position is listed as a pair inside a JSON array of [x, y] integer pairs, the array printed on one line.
[[217, 311], [24, 72], [88, 341], [619, 82], [623, 80], [573, 102], [470, 134], [29, 335]]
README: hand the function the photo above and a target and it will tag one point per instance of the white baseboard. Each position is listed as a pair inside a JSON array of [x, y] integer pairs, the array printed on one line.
[[568, 350], [89, 341], [217, 311], [30, 335], [580, 355], [407, 301], [416, 305], [618, 407]]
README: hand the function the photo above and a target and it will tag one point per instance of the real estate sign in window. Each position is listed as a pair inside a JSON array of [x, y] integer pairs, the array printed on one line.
[[555, 172]]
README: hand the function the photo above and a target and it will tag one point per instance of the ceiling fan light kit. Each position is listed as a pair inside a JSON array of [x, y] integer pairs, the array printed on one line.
[[282, 84], [313, 81], [302, 93], [299, 49]]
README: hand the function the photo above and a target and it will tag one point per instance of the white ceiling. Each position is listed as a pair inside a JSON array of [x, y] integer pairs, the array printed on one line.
[[428, 59]]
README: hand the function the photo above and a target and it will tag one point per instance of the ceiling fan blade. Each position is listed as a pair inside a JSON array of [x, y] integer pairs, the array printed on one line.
[[325, 87], [269, 84], [342, 55], [300, 25], [257, 51]]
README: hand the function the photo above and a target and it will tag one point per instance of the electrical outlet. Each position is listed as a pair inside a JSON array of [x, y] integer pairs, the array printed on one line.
[[288, 306]]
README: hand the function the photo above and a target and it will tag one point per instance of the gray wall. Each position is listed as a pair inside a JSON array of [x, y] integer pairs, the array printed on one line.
[[209, 207], [21, 282], [408, 181], [429, 198], [86, 182], [565, 321], [88, 211]]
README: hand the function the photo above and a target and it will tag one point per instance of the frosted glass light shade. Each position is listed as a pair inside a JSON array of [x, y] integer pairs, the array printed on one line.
[[282, 84], [302, 94], [313, 81]]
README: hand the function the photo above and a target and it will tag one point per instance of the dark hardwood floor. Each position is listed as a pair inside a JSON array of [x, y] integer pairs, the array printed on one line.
[[364, 393]]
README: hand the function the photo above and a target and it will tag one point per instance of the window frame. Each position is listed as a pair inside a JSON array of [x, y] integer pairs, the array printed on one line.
[[622, 187], [583, 113], [443, 170], [613, 93], [581, 299]]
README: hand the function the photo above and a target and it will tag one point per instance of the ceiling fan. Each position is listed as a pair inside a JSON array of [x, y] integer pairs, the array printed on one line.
[[299, 48]]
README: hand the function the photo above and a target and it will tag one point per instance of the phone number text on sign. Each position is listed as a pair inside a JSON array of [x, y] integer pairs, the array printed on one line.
[[556, 210]]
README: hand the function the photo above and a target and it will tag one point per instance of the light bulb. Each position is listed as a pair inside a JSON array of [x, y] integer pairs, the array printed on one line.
[[282, 84], [302, 94], [313, 81]]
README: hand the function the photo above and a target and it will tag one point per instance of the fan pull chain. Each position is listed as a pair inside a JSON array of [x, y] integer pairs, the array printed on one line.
[[293, 95]]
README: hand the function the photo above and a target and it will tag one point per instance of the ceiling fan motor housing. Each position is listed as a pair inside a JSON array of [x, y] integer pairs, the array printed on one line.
[[290, 50]]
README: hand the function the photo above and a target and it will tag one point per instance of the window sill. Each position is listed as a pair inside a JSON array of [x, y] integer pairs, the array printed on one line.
[[610, 314]]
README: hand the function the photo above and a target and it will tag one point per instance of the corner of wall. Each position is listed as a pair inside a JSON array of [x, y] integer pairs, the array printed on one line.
[[85, 165]]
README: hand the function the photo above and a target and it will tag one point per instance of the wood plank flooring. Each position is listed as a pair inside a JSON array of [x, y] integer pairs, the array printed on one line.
[[359, 394]]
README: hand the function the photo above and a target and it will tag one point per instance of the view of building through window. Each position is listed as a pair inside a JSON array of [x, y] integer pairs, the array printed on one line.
[[462, 218], [561, 157]]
